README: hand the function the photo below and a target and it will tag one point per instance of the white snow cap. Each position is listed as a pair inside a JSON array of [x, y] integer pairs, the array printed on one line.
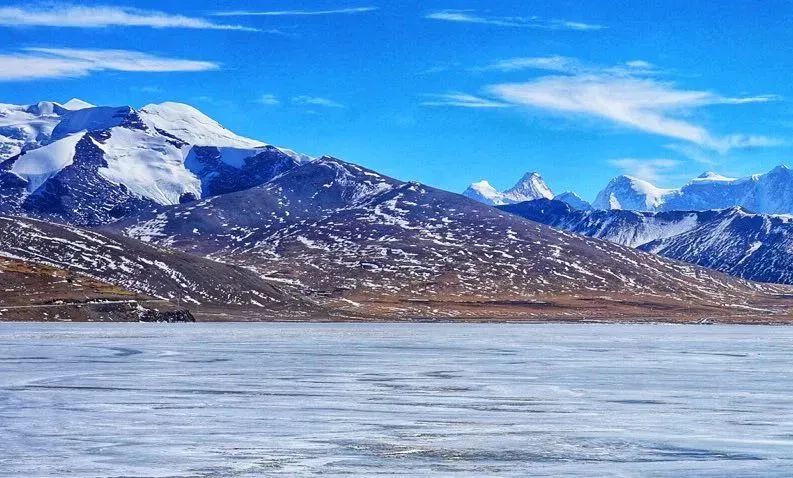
[[77, 104], [531, 186], [192, 126]]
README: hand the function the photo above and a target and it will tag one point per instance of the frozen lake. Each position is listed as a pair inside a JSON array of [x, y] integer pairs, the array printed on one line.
[[395, 399]]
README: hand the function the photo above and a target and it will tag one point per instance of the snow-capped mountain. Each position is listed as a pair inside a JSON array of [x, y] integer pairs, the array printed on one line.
[[531, 186], [734, 241], [627, 192], [24, 127], [91, 165], [375, 246], [573, 200], [770, 193], [355, 240]]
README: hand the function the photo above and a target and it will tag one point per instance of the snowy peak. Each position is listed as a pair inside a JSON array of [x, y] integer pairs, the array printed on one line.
[[573, 200], [45, 108], [192, 126], [530, 186], [89, 165], [77, 104], [628, 192], [96, 118], [769, 193], [708, 176], [484, 192]]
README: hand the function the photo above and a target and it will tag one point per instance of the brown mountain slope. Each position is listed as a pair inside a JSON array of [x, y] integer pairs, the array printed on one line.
[[369, 245], [30, 291], [190, 281]]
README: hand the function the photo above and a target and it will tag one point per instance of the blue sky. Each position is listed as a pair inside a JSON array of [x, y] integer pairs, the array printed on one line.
[[443, 92]]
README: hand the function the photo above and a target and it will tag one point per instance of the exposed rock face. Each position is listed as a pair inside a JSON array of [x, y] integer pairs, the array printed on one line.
[[170, 316]]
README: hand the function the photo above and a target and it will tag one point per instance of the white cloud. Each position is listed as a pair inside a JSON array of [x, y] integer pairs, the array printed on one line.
[[471, 16], [37, 63], [562, 64], [566, 64], [463, 100], [316, 101], [652, 170], [278, 13], [637, 102], [269, 100], [100, 16]]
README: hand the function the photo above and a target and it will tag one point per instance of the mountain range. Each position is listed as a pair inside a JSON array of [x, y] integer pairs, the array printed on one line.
[[753, 246], [180, 209], [768, 193]]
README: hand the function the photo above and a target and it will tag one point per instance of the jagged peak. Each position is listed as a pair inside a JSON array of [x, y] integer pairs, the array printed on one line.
[[530, 175], [530, 186]]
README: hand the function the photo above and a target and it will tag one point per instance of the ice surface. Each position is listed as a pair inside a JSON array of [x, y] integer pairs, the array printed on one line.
[[248, 400]]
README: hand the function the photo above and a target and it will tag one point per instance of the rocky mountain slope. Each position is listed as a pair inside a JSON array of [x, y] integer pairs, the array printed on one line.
[[734, 241], [92, 165], [180, 278], [32, 291], [769, 193], [286, 234], [375, 246]]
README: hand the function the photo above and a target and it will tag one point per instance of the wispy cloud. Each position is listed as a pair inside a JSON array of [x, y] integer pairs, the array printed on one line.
[[100, 16], [316, 101], [472, 16], [269, 100], [280, 13], [462, 100], [38, 63], [652, 170], [566, 64], [641, 103]]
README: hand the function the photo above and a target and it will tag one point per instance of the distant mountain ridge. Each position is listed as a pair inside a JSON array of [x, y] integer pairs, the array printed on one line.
[[769, 193], [530, 186], [752, 246]]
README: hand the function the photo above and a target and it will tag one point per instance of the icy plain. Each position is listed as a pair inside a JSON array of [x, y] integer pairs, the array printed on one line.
[[201, 400]]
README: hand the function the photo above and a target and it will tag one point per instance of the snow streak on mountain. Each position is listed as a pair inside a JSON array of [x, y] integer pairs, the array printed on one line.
[[752, 246]]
